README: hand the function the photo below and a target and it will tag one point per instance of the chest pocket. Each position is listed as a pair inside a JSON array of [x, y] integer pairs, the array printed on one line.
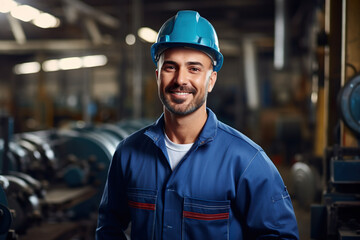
[[204, 219], [142, 204]]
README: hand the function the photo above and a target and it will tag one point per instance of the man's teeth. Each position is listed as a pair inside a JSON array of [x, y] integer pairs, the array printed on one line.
[[181, 93]]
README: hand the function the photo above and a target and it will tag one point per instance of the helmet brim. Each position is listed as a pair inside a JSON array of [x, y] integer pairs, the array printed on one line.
[[158, 48]]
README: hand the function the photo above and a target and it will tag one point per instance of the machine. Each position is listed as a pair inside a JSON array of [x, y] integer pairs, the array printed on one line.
[[51, 181], [338, 215]]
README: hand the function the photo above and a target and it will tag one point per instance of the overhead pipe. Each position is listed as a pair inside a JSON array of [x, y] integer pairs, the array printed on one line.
[[100, 16], [93, 30], [250, 71], [17, 29], [281, 41], [137, 66], [10, 46]]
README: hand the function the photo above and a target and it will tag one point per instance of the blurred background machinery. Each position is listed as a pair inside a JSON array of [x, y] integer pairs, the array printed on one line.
[[73, 71], [338, 215], [52, 181]]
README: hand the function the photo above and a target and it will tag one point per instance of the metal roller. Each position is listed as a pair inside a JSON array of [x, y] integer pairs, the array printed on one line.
[[91, 154], [22, 157], [349, 104], [131, 126], [5, 214], [116, 131], [43, 146], [33, 183], [305, 183], [12, 163], [25, 204]]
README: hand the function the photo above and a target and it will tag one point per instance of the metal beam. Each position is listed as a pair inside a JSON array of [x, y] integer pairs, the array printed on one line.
[[281, 45], [250, 71], [137, 66], [176, 5], [100, 16], [93, 30], [16, 29], [52, 45]]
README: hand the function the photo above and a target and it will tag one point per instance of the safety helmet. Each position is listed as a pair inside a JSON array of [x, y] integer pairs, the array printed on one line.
[[188, 29]]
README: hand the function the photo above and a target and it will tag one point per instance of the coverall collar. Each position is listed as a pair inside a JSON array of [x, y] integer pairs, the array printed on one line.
[[208, 133]]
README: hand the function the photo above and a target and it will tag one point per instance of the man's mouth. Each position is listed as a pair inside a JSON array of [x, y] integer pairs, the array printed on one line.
[[181, 91]]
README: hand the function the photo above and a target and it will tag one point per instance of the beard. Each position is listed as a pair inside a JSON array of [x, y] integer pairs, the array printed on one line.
[[175, 106]]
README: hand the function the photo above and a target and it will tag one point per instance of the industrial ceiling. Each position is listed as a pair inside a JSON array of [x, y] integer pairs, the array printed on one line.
[[94, 24]]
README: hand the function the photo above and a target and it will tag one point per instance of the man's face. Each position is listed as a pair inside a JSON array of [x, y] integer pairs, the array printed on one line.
[[184, 78]]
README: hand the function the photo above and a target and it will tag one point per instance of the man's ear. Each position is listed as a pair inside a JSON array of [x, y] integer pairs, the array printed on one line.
[[212, 81]]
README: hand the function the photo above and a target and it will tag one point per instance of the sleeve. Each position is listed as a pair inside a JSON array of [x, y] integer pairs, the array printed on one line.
[[113, 215], [267, 207]]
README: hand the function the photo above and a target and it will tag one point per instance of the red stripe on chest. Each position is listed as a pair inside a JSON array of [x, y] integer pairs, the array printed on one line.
[[202, 216]]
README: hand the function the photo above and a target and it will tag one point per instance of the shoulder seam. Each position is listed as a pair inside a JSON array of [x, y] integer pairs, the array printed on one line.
[[250, 163]]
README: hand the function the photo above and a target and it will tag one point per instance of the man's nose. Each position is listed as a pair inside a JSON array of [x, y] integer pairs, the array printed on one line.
[[181, 76]]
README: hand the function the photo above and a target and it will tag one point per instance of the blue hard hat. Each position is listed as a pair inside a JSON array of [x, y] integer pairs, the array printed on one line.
[[188, 29]]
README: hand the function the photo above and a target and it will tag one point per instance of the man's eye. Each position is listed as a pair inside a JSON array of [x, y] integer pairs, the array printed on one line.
[[194, 69], [169, 68]]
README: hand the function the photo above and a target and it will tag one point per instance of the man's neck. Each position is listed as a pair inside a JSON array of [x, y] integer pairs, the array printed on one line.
[[185, 129]]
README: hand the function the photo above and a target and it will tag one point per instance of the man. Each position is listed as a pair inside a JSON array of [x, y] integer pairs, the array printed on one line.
[[189, 176]]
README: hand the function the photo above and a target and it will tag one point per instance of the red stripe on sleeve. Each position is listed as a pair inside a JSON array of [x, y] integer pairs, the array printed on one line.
[[146, 206]]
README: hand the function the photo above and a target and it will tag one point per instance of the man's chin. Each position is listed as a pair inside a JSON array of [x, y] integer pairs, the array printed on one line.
[[177, 112], [178, 101], [181, 111]]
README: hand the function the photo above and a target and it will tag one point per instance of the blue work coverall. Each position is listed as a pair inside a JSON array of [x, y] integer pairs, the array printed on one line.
[[224, 188]]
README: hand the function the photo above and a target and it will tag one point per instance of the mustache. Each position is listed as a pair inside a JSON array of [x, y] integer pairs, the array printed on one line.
[[180, 88]]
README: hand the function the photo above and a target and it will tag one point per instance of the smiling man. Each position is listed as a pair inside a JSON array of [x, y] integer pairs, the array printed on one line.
[[190, 176], [182, 88], [184, 76]]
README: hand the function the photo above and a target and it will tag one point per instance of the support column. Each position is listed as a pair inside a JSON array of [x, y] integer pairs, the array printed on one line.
[[332, 67], [137, 59]]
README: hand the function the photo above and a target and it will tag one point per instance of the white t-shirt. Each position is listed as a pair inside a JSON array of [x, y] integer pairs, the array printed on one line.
[[176, 151]]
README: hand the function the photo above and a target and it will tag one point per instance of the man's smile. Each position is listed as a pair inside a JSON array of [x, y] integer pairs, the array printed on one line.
[[181, 93]]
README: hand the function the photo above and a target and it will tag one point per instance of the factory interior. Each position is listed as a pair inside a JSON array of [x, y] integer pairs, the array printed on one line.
[[76, 78]]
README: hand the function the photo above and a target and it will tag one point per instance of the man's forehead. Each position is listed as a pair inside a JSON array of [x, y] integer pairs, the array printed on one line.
[[190, 53]]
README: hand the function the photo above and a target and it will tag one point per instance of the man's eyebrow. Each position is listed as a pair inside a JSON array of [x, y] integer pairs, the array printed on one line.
[[169, 62], [190, 63], [195, 63]]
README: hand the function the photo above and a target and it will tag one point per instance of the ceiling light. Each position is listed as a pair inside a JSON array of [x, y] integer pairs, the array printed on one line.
[[7, 5], [62, 64], [51, 65], [147, 34], [27, 68], [94, 61], [130, 39], [25, 13], [45, 20], [70, 63]]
